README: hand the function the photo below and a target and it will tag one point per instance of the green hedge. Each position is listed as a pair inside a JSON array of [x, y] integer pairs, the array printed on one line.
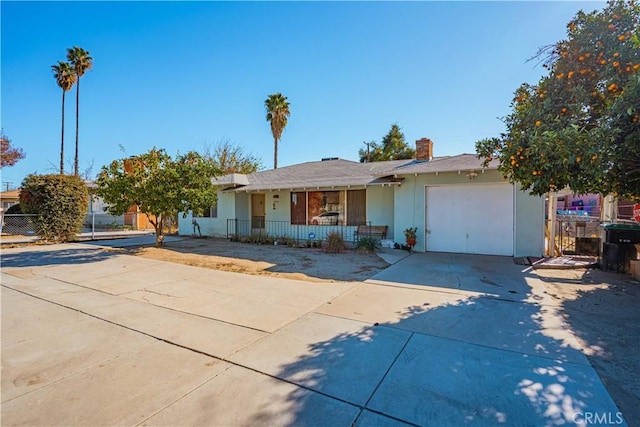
[[60, 201]]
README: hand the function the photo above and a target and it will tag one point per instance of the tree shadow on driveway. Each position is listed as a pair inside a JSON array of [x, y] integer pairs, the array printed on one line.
[[602, 311], [30, 257], [453, 358]]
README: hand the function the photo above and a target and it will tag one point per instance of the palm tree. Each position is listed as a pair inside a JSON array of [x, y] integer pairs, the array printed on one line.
[[65, 77], [81, 62], [277, 114]]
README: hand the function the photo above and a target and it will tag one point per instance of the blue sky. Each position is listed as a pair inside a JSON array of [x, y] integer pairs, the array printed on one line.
[[180, 75]]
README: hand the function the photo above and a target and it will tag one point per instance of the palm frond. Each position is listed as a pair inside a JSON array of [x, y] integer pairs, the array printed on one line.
[[80, 59], [64, 74]]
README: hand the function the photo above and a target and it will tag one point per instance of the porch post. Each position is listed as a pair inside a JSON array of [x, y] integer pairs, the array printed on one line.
[[551, 224]]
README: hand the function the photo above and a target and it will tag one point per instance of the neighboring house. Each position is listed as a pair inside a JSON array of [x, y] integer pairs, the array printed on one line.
[[8, 199], [456, 204], [98, 216]]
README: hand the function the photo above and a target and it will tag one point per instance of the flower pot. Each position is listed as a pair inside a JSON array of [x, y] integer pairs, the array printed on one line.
[[411, 242]]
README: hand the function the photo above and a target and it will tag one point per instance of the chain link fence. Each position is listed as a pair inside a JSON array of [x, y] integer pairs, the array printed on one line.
[[22, 224], [18, 224]]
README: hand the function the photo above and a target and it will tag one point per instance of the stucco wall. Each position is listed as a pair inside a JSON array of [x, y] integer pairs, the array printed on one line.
[[213, 227], [529, 219], [409, 210], [409, 200], [242, 206], [278, 208], [380, 209]]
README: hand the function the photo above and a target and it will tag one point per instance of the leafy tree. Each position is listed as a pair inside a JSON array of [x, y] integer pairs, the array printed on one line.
[[160, 186], [393, 147], [230, 158], [579, 126], [277, 108], [65, 76], [81, 62], [60, 203], [10, 155]]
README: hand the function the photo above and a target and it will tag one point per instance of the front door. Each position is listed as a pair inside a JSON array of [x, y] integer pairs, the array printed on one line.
[[257, 211]]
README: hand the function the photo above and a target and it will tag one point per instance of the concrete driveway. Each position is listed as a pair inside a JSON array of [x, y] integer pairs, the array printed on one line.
[[94, 337]]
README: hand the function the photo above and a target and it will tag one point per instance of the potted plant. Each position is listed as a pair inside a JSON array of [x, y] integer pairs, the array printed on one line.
[[410, 236]]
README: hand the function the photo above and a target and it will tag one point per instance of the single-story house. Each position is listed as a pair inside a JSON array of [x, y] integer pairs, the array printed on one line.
[[98, 216], [9, 198], [457, 205]]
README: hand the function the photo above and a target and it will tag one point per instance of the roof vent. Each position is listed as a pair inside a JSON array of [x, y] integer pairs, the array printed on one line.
[[326, 159]]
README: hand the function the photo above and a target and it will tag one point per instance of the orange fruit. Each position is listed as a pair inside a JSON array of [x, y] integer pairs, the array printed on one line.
[[538, 122]]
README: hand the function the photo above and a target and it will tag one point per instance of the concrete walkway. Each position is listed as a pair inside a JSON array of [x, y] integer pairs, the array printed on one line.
[[95, 337]]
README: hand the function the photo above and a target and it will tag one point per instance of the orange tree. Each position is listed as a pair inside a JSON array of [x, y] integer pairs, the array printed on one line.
[[159, 185], [580, 125]]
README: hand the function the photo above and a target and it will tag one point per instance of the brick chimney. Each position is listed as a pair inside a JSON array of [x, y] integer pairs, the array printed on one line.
[[424, 149]]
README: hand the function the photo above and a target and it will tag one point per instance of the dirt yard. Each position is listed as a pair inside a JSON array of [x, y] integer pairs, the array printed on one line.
[[310, 264]]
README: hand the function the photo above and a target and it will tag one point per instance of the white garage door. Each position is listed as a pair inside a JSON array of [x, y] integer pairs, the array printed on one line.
[[475, 219]]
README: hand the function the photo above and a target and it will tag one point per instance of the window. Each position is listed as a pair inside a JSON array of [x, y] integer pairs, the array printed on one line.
[[299, 208], [357, 200], [328, 207], [211, 212]]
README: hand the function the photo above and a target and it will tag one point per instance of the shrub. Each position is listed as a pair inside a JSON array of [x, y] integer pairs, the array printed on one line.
[[60, 203], [367, 244], [15, 209], [335, 243]]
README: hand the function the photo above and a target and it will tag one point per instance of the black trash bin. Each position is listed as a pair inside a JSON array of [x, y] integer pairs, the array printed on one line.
[[620, 246]]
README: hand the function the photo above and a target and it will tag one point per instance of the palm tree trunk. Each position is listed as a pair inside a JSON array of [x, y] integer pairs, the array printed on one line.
[[75, 162], [62, 138], [275, 153]]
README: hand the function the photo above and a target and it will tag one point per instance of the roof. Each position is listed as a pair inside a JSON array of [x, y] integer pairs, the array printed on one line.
[[344, 173], [461, 162], [11, 194], [322, 174]]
